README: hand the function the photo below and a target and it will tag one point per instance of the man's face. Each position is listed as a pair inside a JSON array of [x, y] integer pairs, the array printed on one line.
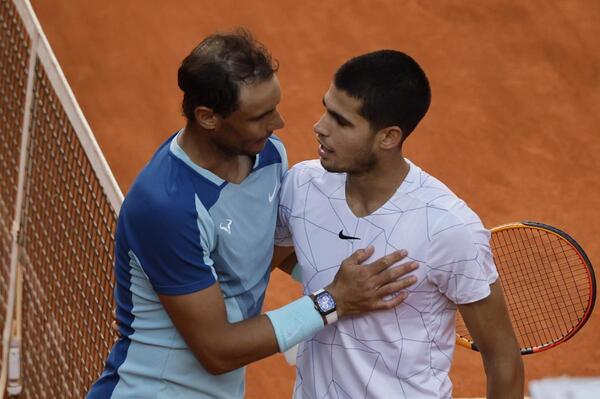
[[345, 137], [246, 130]]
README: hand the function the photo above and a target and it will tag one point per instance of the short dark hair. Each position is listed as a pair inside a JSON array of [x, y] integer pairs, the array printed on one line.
[[393, 88], [212, 73]]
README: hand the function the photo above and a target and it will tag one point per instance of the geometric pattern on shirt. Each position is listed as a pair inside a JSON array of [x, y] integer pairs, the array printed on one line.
[[356, 358]]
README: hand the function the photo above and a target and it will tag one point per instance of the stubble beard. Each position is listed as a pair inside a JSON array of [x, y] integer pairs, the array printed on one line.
[[362, 164]]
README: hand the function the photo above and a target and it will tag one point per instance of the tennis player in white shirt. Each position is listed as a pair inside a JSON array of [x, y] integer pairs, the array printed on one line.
[[362, 192]]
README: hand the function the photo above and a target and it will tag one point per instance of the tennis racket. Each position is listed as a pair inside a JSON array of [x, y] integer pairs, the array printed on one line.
[[548, 282]]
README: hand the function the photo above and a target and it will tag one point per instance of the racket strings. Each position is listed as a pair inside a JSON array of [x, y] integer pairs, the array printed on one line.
[[551, 309], [545, 281]]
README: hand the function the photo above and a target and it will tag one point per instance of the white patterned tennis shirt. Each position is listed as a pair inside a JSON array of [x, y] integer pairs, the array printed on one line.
[[405, 352]]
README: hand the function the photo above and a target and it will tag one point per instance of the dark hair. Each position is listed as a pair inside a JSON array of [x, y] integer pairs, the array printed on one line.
[[212, 73], [392, 87]]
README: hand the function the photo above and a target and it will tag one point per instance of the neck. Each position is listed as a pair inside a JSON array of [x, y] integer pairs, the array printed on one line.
[[367, 192], [197, 143]]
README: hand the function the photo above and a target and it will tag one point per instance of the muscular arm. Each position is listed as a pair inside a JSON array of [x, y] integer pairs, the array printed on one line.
[[489, 325], [220, 346]]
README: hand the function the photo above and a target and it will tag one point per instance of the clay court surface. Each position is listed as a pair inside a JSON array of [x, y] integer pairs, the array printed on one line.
[[514, 127]]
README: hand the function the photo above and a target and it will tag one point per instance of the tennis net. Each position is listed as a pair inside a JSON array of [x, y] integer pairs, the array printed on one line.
[[58, 210]]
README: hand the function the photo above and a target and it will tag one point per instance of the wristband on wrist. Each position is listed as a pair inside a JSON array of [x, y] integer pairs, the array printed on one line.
[[295, 322]]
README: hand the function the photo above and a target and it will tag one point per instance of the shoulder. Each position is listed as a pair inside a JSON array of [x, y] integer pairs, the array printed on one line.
[[276, 142], [445, 210], [312, 171], [164, 195], [309, 165], [427, 189], [273, 153], [305, 176], [145, 211]]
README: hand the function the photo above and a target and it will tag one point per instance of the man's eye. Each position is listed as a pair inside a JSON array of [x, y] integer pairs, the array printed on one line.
[[341, 122], [263, 116]]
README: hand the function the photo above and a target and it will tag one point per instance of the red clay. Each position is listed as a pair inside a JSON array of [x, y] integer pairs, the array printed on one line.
[[513, 128]]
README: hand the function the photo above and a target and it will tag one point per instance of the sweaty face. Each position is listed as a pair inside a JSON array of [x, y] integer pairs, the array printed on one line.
[[246, 130], [345, 137]]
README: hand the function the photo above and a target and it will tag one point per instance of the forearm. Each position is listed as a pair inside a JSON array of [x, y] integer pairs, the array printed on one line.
[[299, 320], [236, 345], [222, 346], [489, 324], [505, 377]]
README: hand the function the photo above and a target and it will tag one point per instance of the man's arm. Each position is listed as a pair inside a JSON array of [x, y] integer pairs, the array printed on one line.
[[201, 318], [489, 325], [220, 346]]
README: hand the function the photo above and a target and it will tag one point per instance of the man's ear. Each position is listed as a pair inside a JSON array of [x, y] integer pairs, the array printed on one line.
[[206, 118], [390, 137]]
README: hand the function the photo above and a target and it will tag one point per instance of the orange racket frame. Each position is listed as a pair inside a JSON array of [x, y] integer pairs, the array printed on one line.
[[537, 251]]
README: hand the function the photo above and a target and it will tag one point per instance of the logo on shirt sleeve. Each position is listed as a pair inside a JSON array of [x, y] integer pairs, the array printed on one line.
[[272, 195]]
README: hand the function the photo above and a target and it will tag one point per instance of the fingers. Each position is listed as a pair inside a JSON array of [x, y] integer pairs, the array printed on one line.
[[390, 292], [374, 286], [394, 287], [386, 304], [394, 273], [359, 256], [386, 261]]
